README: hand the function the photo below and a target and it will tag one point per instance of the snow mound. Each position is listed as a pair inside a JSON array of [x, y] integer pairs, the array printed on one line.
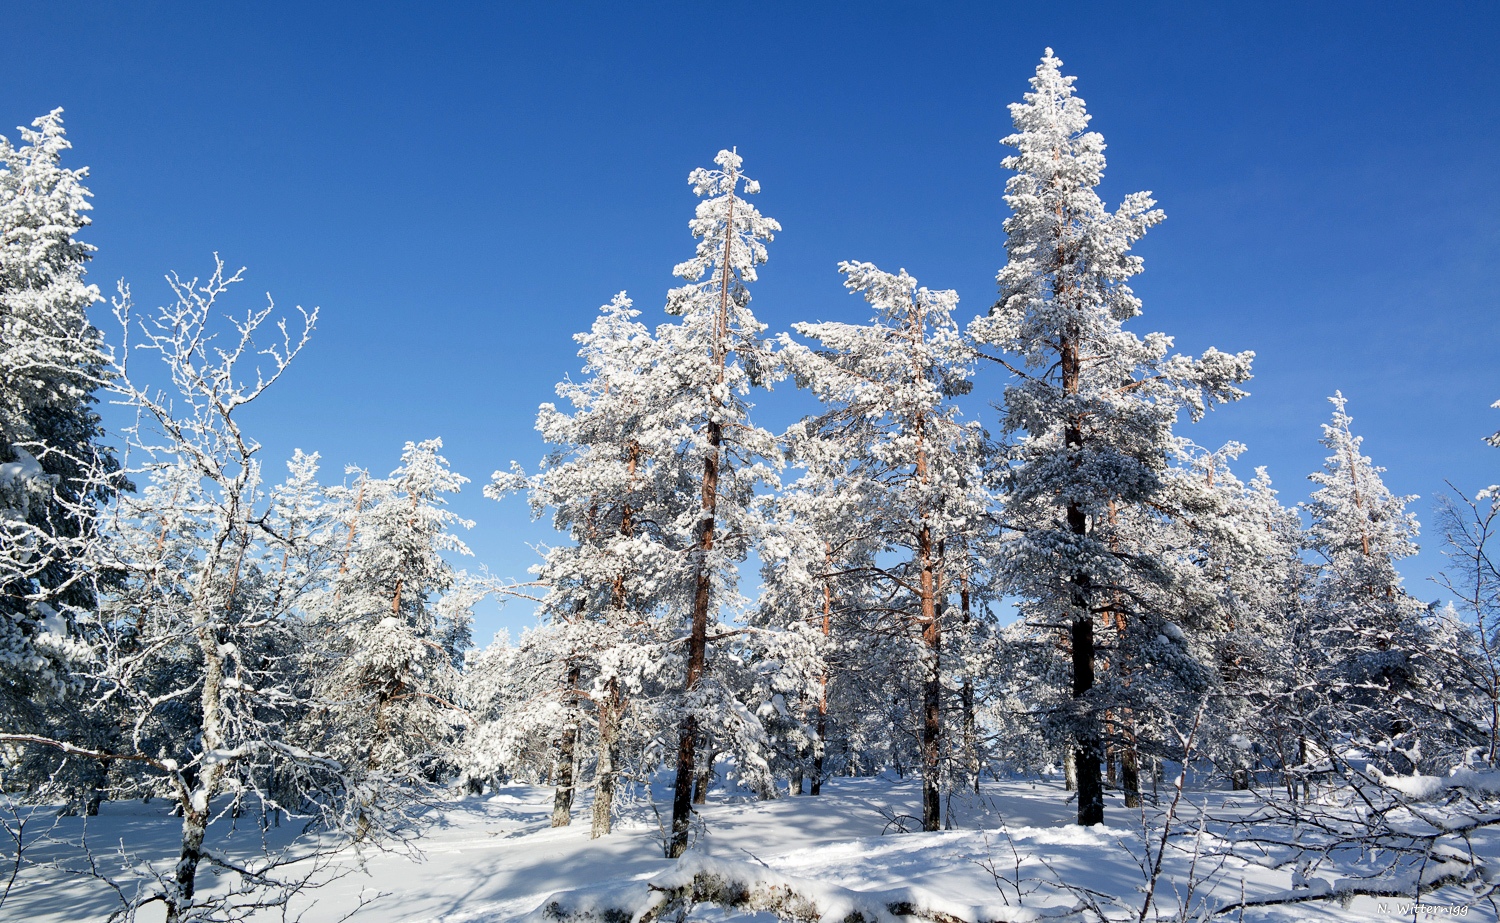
[[746, 886], [1425, 788]]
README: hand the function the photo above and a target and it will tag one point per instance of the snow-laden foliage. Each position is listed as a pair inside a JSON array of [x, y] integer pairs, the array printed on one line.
[[53, 466], [908, 474], [383, 656], [1372, 640], [1091, 406], [1091, 595], [613, 488], [709, 361], [199, 634]]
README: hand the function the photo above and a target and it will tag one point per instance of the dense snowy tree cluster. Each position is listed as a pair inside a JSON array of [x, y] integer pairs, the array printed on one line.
[[1067, 592]]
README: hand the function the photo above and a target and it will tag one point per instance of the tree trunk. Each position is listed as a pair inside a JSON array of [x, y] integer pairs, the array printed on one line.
[[932, 690], [194, 826], [1087, 755], [705, 773], [1070, 771], [610, 712], [1130, 773], [195, 798], [822, 744], [682, 795], [817, 774], [562, 801], [971, 739], [687, 735], [1088, 736], [1302, 764]]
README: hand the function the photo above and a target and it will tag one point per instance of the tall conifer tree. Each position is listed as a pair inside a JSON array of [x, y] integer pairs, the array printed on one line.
[[713, 356], [1091, 406]]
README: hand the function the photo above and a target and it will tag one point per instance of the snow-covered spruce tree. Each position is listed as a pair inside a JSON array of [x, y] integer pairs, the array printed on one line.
[[53, 466], [1092, 405], [386, 674], [915, 470], [611, 494], [1369, 636], [711, 357]]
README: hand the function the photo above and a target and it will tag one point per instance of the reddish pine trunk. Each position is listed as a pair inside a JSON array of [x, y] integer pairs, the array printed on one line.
[[682, 795], [687, 735]]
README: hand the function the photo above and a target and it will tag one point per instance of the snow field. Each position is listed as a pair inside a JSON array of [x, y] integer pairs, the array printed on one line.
[[1013, 856]]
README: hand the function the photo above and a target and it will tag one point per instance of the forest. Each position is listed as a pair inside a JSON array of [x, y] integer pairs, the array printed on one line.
[[245, 670]]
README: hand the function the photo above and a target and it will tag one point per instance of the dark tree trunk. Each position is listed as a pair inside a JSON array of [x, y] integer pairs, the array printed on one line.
[[932, 690], [562, 801], [1130, 774], [817, 774], [966, 694], [1087, 755], [682, 795], [179, 903], [705, 774], [682, 791], [1089, 740], [687, 736]]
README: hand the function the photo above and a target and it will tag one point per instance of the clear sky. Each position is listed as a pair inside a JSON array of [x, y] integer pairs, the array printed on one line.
[[460, 186]]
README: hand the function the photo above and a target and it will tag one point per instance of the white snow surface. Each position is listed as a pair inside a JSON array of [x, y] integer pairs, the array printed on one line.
[[493, 858]]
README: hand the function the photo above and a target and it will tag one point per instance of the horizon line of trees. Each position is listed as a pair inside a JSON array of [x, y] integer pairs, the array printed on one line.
[[177, 623]]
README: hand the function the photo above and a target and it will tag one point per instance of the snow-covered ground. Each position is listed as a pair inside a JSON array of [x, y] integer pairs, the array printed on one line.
[[1013, 855]]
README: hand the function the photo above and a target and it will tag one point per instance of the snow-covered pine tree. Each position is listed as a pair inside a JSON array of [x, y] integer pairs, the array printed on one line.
[[817, 548], [485, 690], [1091, 404], [1206, 613], [711, 358], [611, 494], [916, 473], [1368, 634], [1249, 555], [53, 465], [386, 677]]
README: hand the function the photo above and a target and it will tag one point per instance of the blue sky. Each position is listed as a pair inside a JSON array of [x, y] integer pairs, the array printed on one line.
[[459, 186]]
